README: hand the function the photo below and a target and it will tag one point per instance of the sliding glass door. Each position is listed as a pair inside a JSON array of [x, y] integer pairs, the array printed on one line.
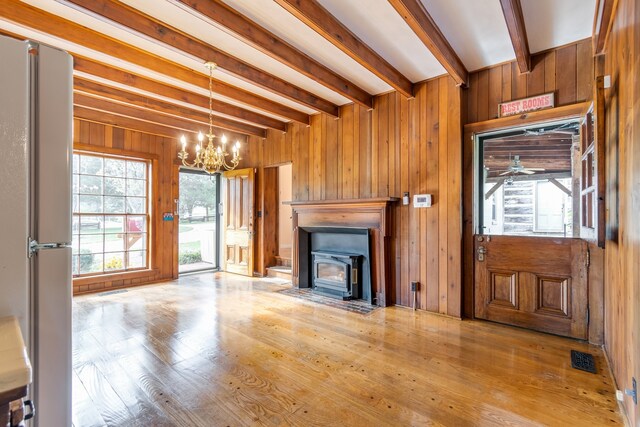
[[198, 211]]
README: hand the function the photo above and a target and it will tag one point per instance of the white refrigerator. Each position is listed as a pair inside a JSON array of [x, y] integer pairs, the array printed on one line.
[[36, 122]]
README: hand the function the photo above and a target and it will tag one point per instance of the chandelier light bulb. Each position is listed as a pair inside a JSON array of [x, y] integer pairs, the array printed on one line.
[[238, 145], [197, 148], [200, 137], [224, 139], [183, 140]]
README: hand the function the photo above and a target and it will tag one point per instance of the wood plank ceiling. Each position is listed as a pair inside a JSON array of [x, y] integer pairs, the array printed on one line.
[[139, 63]]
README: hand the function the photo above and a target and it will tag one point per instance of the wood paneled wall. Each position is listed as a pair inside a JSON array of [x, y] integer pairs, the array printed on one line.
[[566, 71], [161, 151], [622, 248], [402, 145]]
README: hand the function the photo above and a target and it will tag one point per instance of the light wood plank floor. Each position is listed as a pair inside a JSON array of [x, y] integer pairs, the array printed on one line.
[[221, 350]]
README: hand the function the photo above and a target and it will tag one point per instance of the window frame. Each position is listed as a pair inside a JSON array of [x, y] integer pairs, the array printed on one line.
[[148, 214]]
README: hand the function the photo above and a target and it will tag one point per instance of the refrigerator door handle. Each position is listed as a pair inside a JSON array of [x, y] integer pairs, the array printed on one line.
[[34, 246]]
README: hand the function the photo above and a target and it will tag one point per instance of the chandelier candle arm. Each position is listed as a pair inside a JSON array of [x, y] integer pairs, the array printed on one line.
[[211, 158]]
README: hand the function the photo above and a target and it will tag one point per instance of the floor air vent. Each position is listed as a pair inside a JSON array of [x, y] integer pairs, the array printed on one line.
[[583, 361], [120, 291]]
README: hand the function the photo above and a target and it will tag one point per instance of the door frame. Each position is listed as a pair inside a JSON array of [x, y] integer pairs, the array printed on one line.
[[218, 215], [469, 184]]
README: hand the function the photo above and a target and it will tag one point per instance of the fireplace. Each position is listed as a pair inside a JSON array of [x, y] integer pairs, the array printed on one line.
[[363, 227], [337, 274], [335, 262]]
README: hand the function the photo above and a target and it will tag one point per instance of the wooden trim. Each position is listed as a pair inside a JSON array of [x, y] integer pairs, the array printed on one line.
[[602, 23], [143, 24], [423, 25], [512, 11], [83, 87], [135, 274], [372, 201], [87, 148], [20, 13], [324, 23], [558, 113], [144, 114], [95, 68], [277, 48]]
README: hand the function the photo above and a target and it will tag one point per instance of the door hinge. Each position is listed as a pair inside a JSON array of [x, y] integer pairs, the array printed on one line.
[[588, 314], [587, 261]]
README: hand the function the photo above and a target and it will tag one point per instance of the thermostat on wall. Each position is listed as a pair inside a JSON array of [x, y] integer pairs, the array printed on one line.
[[422, 200]]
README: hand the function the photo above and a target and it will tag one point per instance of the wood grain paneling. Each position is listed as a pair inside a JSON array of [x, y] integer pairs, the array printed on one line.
[[622, 248], [566, 71], [100, 138], [402, 145]]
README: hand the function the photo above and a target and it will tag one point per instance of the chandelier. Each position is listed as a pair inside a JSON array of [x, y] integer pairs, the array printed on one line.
[[211, 158]]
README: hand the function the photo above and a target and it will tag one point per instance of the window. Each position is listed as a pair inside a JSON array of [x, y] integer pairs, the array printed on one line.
[[110, 214], [526, 181]]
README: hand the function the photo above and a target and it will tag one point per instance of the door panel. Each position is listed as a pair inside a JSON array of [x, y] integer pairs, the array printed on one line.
[[533, 282], [238, 220]]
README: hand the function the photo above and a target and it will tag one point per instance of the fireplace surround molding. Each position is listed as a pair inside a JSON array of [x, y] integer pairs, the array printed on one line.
[[376, 215]]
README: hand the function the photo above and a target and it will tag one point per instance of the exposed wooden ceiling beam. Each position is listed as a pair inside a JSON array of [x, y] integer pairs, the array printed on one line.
[[85, 86], [320, 20], [103, 117], [277, 48], [605, 12], [142, 114], [512, 11], [126, 78], [534, 177], [146, 25], [417, 17], [31, 17]]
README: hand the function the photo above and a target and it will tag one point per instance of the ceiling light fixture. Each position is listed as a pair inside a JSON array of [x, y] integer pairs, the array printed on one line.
[[211, 158]]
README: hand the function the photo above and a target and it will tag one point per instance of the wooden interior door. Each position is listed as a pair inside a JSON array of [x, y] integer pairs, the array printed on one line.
[[538, 283], [238, 208]]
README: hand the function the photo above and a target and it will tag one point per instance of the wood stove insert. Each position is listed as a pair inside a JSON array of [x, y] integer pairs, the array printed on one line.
[[337, 274]]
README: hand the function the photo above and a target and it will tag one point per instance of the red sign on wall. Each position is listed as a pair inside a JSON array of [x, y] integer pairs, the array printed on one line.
[[527, 104]]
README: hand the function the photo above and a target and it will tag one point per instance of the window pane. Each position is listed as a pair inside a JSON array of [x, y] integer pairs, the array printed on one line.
[[136, 170], [114, 204], [76, 184], [137, 259], [114, 186], [91, 224], [90, 184], [91, 243], [90, 263], [114, 224], [75, 244], [74, 264], [136, 241], [75, 203], [136, 187], [136, 205], [75, 223], [90, 204], [91, 165], [114, 242], [114, 167], [136, 223], [76, 163], [114, 261]]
